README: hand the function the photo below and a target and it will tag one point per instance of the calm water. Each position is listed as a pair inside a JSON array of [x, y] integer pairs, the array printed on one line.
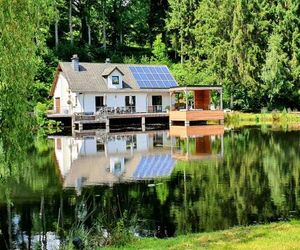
[[161, 184]]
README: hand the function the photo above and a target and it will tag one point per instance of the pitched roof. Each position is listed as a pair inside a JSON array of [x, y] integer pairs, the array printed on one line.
[[91, 77], [109, 70]]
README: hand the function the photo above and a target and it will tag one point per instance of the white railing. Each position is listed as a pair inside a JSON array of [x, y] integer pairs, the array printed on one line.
[[155, 109], [65, 110]]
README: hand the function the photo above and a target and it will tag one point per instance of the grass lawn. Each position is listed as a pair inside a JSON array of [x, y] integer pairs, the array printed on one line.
[[240, 118], [285, 235]]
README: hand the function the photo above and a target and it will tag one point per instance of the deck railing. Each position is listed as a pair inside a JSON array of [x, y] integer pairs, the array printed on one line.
[[179, 107], [155, 109], [103, 112], [65, 110]]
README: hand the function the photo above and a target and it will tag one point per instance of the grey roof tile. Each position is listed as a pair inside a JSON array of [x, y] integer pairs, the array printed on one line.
[[90, 78]]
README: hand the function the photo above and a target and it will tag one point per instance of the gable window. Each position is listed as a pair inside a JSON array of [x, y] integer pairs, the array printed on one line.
[[115, 80]]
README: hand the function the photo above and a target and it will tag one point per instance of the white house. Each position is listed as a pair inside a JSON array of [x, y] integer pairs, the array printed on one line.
[[91, 87]]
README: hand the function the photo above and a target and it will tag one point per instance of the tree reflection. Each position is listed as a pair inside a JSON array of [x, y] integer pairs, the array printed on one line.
[[26, 172], [255, 180]]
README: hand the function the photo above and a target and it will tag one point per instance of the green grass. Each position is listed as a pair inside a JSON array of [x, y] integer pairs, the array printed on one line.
[[238, 118], [285, 235]]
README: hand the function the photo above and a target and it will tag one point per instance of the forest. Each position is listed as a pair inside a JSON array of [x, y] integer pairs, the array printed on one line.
[[251, 48]]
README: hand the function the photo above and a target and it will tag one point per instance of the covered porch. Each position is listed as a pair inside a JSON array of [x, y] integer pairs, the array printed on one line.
[[196, 104]]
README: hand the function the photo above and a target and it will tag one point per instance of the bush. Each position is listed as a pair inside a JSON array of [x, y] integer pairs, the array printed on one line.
[[40, 114]]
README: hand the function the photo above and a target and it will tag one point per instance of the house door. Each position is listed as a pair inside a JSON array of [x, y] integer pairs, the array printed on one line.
[[99, 102], [130, 103], [157, 103], [57, 105]]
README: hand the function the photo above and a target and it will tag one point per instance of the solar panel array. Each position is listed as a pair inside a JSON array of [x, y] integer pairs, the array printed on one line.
[[153, 77], [152, 166]]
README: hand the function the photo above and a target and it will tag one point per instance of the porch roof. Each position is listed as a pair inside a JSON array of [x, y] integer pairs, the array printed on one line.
[[195, 87]]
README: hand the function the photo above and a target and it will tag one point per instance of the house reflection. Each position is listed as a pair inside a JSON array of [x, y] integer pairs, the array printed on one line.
[[130, 157], [112, 159]]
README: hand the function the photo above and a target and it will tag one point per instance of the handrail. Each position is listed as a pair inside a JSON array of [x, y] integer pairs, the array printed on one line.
[[102, 112], [155, 109]]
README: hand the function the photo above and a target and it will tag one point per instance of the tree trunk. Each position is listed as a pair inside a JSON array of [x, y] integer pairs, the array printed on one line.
[[181, 50], [121, 38], [104, 26], [89, 35], [56, 34], [9, 222], [71, 24]]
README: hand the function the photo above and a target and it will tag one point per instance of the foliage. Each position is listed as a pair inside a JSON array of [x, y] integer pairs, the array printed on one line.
[[121, 234], [40, 112], [159, 49], [251, 49], [250, 118]]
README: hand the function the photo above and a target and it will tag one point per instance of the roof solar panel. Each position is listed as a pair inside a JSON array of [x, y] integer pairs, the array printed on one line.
[[165, 70], [152, 70], [147, 70], [153, 76]]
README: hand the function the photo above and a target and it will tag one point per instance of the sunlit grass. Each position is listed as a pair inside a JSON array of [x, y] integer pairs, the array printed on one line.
[[238, 118], [284, 235]]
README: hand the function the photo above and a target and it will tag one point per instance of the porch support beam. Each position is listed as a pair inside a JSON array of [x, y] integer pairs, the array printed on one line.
[[186, 100]]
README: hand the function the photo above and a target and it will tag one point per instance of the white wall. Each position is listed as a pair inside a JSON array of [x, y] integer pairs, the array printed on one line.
[[115, 100], [64, 155], [165, 99], [141, 103], [62, 92], [86, 102], [116, 146], [109, 80], [142, 142], [89, 146]]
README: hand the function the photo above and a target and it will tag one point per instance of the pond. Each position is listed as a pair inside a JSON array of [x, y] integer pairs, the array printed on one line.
[[159, 183]]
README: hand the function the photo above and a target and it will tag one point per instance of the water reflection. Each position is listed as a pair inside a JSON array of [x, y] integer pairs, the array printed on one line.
[[130, 157], [167, 182]]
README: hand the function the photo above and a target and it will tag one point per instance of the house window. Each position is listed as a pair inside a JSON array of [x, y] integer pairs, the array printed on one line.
[[100, 146], [115, 80], [118, 167]]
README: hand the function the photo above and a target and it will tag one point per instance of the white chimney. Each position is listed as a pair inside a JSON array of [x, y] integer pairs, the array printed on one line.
[[107, 60], [75, 62]]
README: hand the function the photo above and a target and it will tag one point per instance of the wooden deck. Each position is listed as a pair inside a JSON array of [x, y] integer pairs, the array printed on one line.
[[197, 115]]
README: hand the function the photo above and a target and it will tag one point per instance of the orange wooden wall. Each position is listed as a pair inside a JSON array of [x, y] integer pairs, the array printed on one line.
[[202, 99]]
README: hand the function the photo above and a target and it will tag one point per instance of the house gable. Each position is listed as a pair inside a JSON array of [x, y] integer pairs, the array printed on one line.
[[115, 79]]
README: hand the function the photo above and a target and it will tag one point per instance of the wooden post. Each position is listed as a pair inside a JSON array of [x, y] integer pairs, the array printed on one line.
[[221, 99], [186, 100], [107, 125], [80, 126], [143, 123], [222, 145]]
